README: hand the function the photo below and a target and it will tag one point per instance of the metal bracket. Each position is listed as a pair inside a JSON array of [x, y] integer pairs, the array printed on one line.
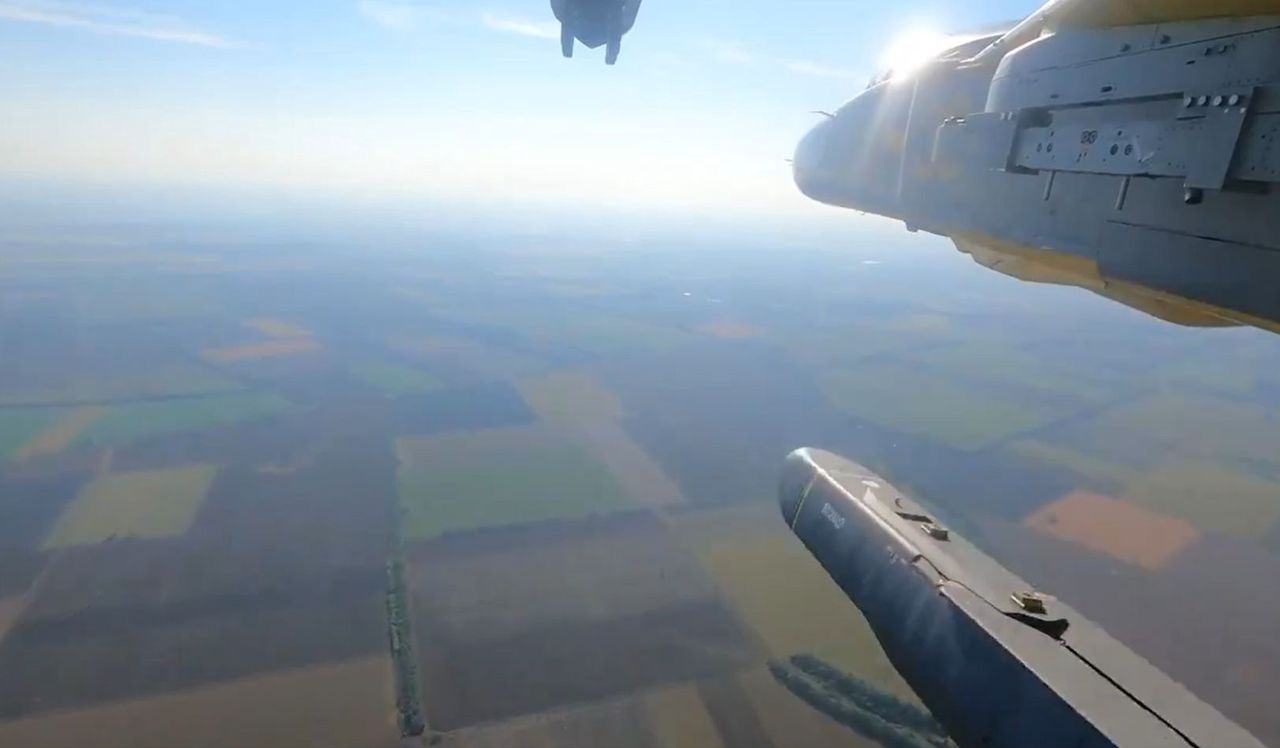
[[1212, 124], [983, 140]]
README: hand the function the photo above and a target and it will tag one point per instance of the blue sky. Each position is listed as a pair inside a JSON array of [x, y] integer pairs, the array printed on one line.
[[466, 101]]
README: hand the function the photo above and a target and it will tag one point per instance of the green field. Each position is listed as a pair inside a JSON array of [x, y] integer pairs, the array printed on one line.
[[600, 335], [482, 360], [466, 488], [912, 400], [394, 380], [143, 504], [570, 397], [133, 422], [1209, 496], [1000, 364], [1173, 426], [1101, 472], [91, 383], [768, 575]]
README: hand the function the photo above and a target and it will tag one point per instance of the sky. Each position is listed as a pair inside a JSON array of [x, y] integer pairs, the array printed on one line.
[[459, 102]]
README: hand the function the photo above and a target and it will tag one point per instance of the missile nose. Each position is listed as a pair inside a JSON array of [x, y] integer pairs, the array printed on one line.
[[797, 475]]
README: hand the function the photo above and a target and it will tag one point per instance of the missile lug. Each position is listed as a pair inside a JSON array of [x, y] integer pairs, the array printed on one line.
[[937, 532], [1032, 602]]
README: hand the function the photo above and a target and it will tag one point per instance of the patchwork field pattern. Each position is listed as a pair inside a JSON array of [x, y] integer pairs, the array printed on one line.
[[343, 705], [589, 414], [934, 405], [607, 605], [133, 422], [108, 654]]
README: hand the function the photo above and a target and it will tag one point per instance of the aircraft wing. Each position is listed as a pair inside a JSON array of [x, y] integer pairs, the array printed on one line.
[[1107, 13], [1044, 266]]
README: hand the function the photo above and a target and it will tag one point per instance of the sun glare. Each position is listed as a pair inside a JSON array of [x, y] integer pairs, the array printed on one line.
[[912, 49]]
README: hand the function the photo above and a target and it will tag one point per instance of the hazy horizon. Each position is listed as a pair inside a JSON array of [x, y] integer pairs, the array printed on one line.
[[397, 101]]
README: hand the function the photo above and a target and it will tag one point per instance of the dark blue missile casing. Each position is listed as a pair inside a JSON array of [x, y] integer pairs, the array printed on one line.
[[999, 664]]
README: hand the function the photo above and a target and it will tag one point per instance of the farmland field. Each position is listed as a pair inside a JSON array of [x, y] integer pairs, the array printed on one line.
[[62, 432], [782, 593], [345, 705], [499, 477], [1115, 528], [1180, 490], [680, 718], [278, 328], [572, 397], [539, 669], [617, 722], [267, 349], [394, 379], [113, 653], [525, 489], [908, 399], [18, 426], [583, 570], [152, 504], [132, 422]]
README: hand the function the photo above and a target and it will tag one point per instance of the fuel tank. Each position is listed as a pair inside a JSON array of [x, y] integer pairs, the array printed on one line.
[[1144, 159], [998, 663]]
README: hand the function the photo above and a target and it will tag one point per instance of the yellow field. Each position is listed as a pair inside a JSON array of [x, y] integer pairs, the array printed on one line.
[[680, 718], [143, 504], [571, 396], [59, 435], [588, 413], [282, 468], [278, 328], [10, 608], [616, 723], [269, 349], [673, 716], [730, 330], [783, 594], [642, 478], [1115, 528], [344, 705]]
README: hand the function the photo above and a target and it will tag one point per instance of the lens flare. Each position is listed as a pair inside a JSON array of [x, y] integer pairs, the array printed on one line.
[[912, 49]]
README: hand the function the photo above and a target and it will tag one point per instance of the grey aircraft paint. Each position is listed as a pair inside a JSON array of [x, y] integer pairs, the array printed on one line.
[[999, 664], [1140, 161]]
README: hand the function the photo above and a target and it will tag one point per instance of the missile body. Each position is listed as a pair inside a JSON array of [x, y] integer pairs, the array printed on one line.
[[997, 663]]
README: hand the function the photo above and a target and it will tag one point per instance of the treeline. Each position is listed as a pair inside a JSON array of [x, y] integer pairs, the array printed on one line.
[[858, 705], [400, 635]]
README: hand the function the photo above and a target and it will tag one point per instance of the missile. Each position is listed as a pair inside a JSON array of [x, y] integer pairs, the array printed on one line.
[[998, 663]]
